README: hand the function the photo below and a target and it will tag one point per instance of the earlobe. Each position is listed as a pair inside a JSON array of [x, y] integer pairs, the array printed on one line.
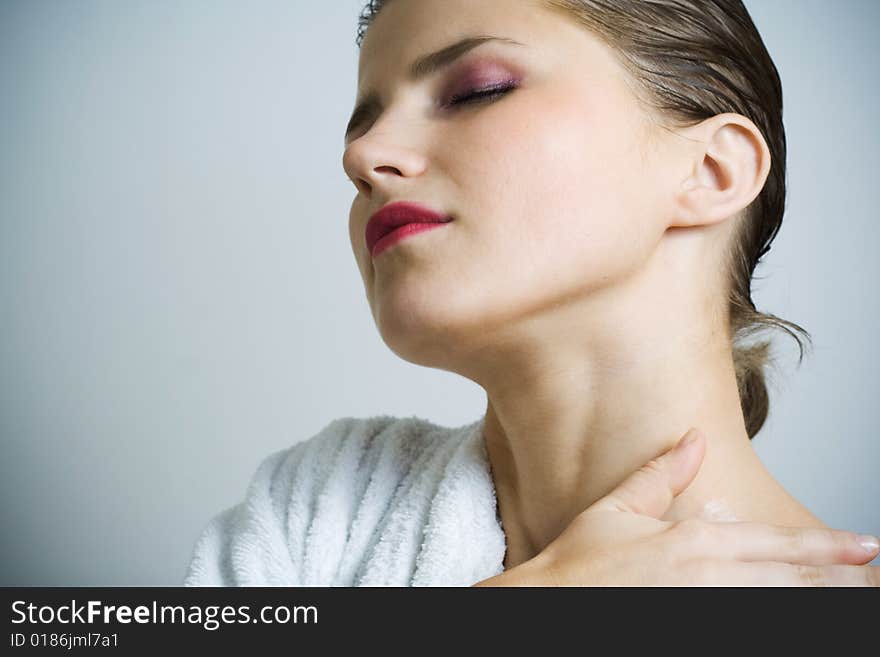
[[728, 163]]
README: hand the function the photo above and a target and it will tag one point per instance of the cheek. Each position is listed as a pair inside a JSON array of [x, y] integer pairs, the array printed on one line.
[[358, 249], [565, 185], [356, 239]]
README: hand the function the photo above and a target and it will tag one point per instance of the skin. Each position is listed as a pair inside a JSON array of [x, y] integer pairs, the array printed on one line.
[[579, 282]]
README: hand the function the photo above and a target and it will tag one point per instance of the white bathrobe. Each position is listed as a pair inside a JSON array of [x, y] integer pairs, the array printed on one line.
[[380, 501]]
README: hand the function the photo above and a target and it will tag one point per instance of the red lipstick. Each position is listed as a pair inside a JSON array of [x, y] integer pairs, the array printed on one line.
[[396, 221]]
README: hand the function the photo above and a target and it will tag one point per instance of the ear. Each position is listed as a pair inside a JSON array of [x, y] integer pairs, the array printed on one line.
[[728, 164]]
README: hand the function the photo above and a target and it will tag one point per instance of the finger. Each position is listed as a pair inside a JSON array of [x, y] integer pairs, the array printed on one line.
[[651, 489], [784, 574], [753, 541]]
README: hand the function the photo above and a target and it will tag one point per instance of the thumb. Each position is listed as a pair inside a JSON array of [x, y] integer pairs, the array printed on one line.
[[651, 489]]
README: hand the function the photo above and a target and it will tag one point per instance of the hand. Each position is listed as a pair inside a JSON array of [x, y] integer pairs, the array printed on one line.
[[621, 541]]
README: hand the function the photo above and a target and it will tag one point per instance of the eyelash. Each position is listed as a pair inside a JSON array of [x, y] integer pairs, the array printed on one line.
[[477, 95], [481, 94]]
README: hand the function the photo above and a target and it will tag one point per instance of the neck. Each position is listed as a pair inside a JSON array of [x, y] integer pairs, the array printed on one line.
[[559, 444], [567, 421]]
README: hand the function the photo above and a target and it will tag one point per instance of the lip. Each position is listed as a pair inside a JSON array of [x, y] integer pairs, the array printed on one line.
[[389, 219]]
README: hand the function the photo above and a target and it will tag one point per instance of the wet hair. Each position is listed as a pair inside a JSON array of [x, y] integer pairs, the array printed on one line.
[[691, 60]]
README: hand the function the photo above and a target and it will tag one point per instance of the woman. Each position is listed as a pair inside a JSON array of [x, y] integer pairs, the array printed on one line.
[[585, 188]]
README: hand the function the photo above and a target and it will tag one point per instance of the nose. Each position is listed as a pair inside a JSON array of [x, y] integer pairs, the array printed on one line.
[[377, 158]]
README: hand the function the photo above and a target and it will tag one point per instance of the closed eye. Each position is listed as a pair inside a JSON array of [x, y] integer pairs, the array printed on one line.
[[481, 94], [472, 97]]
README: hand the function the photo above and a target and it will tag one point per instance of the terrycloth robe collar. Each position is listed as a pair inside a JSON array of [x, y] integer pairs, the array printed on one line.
[[380, 501]]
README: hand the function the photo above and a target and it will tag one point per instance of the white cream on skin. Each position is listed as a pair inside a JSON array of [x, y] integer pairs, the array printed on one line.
[[717, 511]]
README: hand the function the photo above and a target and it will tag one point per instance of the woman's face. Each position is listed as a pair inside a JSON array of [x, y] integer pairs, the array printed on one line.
[[554, 185]]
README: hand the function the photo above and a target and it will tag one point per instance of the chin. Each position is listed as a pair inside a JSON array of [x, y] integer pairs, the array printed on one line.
[[422, 336]]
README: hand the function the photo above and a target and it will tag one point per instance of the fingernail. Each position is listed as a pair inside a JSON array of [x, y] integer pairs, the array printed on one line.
[[869, 543]]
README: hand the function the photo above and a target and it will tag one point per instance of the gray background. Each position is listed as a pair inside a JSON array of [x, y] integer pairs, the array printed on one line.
[[180, 299]]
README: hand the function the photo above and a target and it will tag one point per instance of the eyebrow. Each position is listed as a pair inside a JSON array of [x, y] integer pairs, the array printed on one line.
[[421, 68]]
